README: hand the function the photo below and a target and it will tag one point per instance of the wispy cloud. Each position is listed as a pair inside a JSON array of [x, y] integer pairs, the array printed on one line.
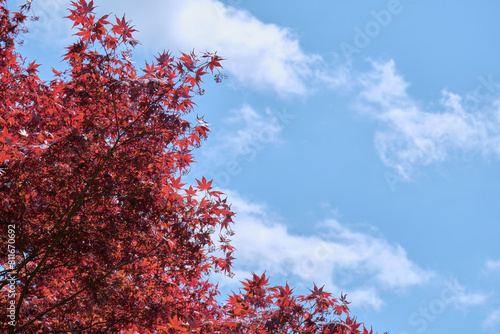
[[414, 135], [239, 139], [263, 242], [463, 299], [50, 28], [492, 265], [245, 132], [492, 322], [366, 297]]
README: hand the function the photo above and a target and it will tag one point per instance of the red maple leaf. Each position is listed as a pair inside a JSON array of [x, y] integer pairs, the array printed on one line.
[[32, 69], [204, 185], [190, 191]]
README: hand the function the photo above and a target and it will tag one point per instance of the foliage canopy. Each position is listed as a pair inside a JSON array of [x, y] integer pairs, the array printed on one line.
[[101, 233]]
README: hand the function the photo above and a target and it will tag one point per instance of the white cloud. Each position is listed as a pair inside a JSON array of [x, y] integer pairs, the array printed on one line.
[[246, 132], [492, 265], [260, 54], [51, 28], [492, 322], [461, 298], [388, 263], [264, 243], [413, 136], [366, 297]]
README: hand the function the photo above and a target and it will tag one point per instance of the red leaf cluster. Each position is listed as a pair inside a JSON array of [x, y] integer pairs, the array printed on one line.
[[107, 236]]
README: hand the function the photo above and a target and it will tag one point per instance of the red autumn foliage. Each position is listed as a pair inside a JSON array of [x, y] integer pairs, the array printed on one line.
[[102, 235]]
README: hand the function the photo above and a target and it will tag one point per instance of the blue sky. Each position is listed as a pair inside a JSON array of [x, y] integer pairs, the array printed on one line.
[[359, 143]]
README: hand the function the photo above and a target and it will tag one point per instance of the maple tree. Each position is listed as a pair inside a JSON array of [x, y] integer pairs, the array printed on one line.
[[107, 237]]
